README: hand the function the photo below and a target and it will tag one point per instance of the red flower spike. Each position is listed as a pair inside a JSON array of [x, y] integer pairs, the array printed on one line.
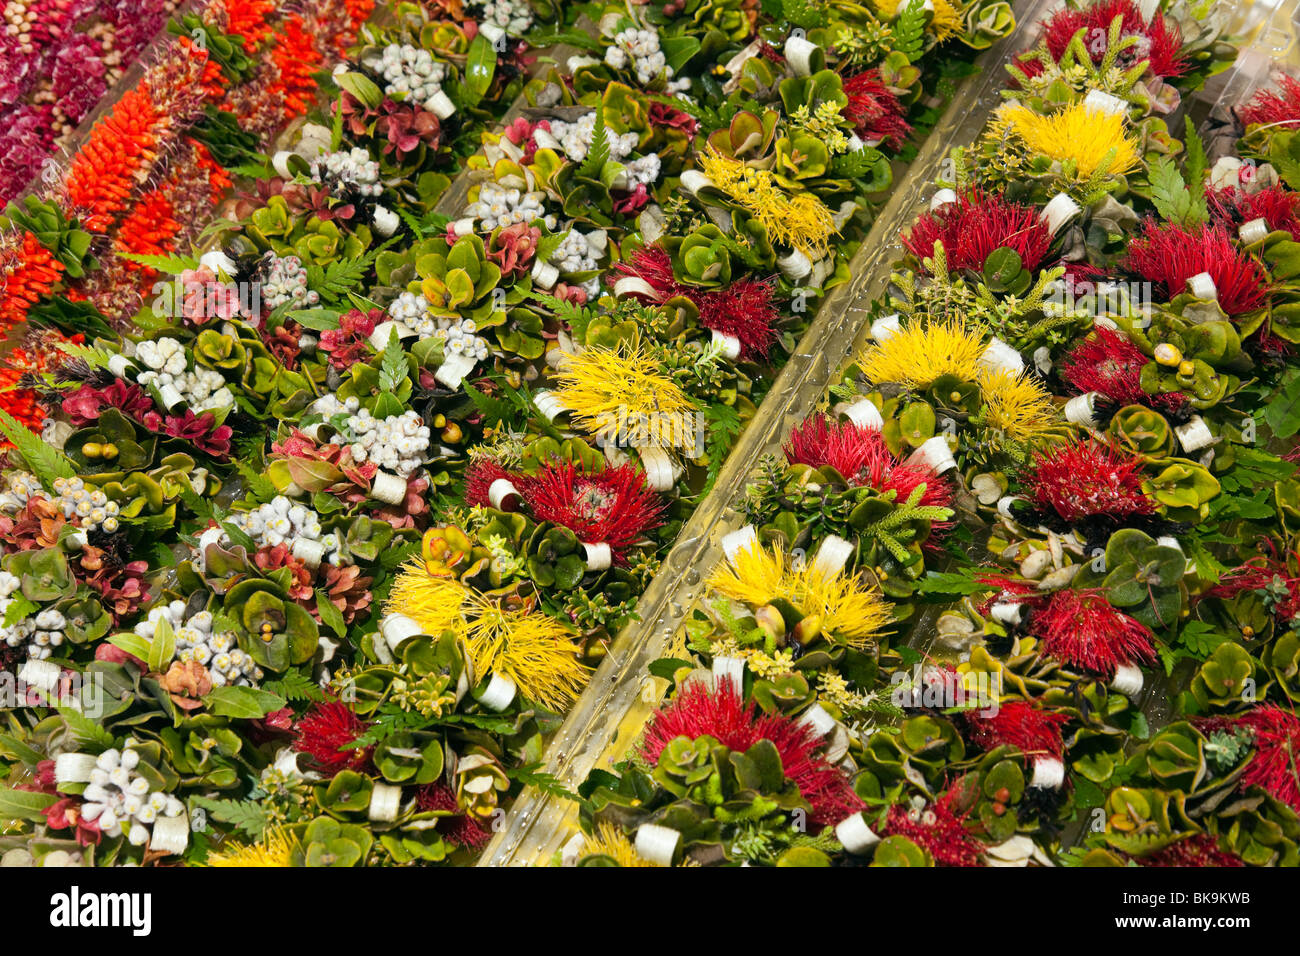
[[614, 507], [1170, 255], [977, 224], [1087, 479], [1020, 724], [479, 478], [325, 730], [1278, 207], [1111, 365], [1080, 628], [1280, 107], [744, 310], [1200, 849], [458, 828], [861, 455], [1275, 764], [1159, 41], [937, 829], [874, 110], [697, 711]]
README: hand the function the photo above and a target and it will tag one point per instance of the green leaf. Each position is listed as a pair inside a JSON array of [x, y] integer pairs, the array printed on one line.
[[261, 487], [244, 814], [85, 731], [909, 30], [1197, 162], [245, 703], [163, 646], [295, 686], [318, 319], [724, 427], [393, 367], [1283, 413], [19, 608], [45, 461], [174, 265], [1171, 197], [24, 804], [330, 615], [362, 87], [480, 67], [949, 582], [132, 643], [531, 775], [598, 154]]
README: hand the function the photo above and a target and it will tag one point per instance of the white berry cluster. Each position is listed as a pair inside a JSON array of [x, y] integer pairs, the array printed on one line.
[[202, 389], [92, 507], [218, 653], [644, 169], [513, 16], [119, 799], [411, 311], [575, 138], [409, 72], [575, 254], [351, 166], [640, 49], [397, 443], [286, 281], [20, 488], [498, 205], [41, 633], [283, 521]]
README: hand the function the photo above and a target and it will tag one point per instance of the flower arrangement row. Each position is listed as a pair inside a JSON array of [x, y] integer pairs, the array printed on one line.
[[57, 62], [1049, 501], [316, 546]]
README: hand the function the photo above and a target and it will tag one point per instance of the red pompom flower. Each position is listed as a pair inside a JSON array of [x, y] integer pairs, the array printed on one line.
[[1170, 255], [1087, 479], [323, 733], [1034, 732], [861, 455], [1280, 107], [874, 110], [743, 310], [1080, 628], [1275, 764], [977, 224], [1275, 205], [698, 711], [1111, 365], [937, 829], [1158, 40]]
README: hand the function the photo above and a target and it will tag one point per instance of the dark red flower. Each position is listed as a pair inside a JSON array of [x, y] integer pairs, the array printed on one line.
[[977, 224], [1087, 478], [323, 733], [1159, 40], [348, 344], [406, 127], [84, 405], [1280, 107], [1170, 255], [1273, 766], [874, 110], [1080, 628], [937, 829], [458, 828], [744, 310], [633, 201], [663, 116], [1109, 364], [1275, 205], [1199, 849], [697, 711], [861, 455], [1018, 723], [202, 431], [614, 506], [66, 814], [514, 248]]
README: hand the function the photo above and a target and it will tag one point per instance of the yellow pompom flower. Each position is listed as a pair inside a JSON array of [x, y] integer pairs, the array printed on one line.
[[434, 603], [1081, 133], [533, 650], [1016, 405], [802, 222], [608, 389], [918, 354], [274, 849], [847, 605], [609, 840]]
